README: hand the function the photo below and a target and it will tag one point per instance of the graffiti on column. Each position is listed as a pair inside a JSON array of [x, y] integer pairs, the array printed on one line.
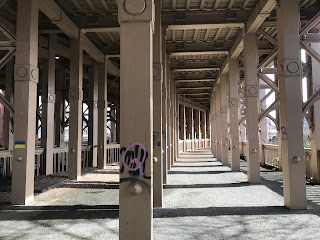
[[134, 160], [156, 136], [284, 135]]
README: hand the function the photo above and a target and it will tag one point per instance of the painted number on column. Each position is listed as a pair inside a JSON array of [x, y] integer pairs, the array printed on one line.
[[284, 135]]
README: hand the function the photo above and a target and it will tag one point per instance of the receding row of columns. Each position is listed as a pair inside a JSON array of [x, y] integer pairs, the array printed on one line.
[[291, 124], [26, 75]]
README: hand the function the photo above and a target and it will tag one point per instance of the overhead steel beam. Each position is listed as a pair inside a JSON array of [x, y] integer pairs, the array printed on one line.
[[310, 102], [100, 30], [60, 19], [266, 96], [195, 69], [194, 80], [258, 16], [174, 54], [204, 26], [260, 13], [194, 94], [194, 88]]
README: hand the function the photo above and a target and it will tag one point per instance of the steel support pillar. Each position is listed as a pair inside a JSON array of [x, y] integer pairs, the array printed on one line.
[[263, 128], [315, 133], [164, 133], [224, 120], [218, 121], [173, 117], [75, 115], [113, 125], [48, 105], [136, 92], [60, 108], [177, 122], [289, 63], [234, 101], [157, 109], [192, 129], [252, 105], [183, 128], [93, 114], [25, 102], [213, 124], [7, 126], [169, 115], [102, 115]]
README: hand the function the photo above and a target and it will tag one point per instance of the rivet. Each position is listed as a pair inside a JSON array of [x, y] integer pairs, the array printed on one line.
[[155, 159], [19, 159], [296, 159], [135, 188], [73, 150]]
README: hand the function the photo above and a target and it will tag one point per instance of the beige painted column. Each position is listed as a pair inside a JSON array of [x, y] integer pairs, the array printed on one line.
[[192, 128], [199, 128], [263, 127], [172, 120], [169, 115], [213, 124], [102, 115], [177, 123], [7, 126], [60, 106], [48, 105], [164, 133], [183, 128], [292, 153], [136, 93], [157, 109], [252, 106], [234, 101], [315, 134], [25, 102], [218, 121], [204, 128], [75, 115], [113, 125], [93, 114], [224, 120]]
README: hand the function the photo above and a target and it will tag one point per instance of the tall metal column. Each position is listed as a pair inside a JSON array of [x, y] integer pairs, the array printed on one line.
[[289, 63], [177, 123], [169, 115], [218, 121], [315, 134], [136, 186], [25, 102], [157, 108], [7, 133], [48, 105], [252, 100], [199, 128], [113, 125], [192, 128], [60, 106], [164, 133], [234, 101], [102, 115], [172, 116], [263, 127], [75, 115], [93, 114], [213, 124], [224, 120], [203, 128], [183, 128]]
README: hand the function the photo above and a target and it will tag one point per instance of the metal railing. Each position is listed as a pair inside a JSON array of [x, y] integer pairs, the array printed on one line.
[[60, 161], [113, 153], [271, 156]]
